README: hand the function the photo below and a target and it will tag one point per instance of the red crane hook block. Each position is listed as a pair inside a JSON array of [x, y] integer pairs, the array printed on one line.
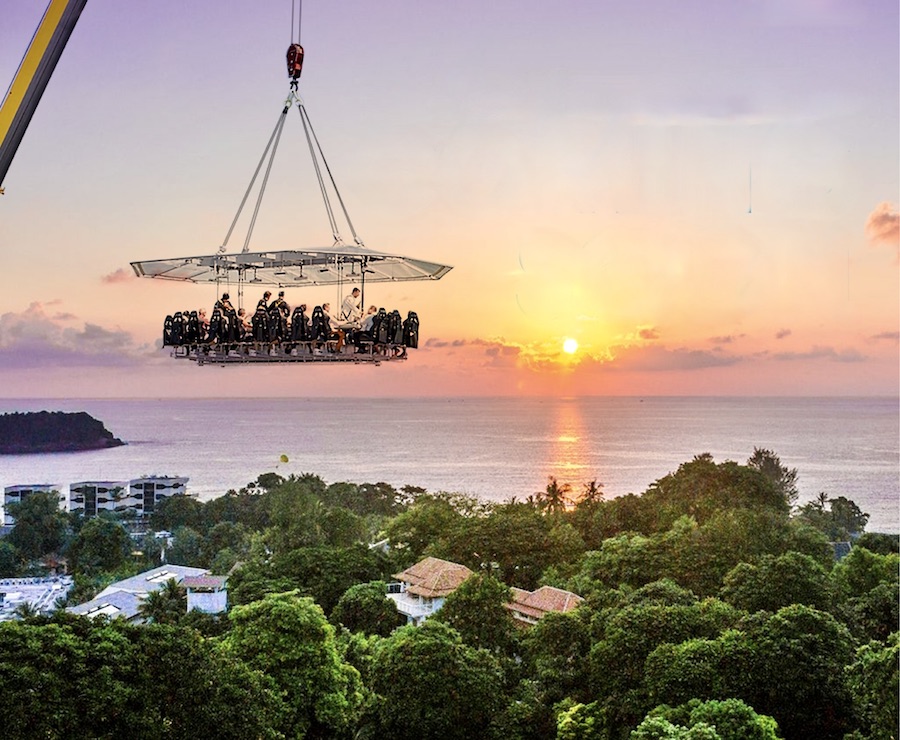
[[295, 61]]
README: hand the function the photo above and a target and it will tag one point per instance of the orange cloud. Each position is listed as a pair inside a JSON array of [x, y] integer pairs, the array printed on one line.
[[883, 225], [119, 276]]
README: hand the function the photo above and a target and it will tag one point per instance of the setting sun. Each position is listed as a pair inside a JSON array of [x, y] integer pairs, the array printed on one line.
[[570, 346]]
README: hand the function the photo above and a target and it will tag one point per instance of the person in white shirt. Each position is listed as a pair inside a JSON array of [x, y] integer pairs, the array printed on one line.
[[351, 313]]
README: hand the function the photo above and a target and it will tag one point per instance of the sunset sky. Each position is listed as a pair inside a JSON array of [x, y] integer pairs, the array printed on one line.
[[702, 194]]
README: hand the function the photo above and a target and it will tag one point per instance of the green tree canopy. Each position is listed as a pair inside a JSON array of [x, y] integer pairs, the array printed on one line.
[[177, 511], [728, 719], [430, 684], [93, 678], [873, 678], [40, 527], [366, 608], [701, 487], [838, 518], [477, 610], [554, 652], [515, 536], [101, 544], [287, 637], [424, 523], [783, 478], [774, 582]]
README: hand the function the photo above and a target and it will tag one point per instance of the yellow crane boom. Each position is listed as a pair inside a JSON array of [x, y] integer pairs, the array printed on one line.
[[33, 74]]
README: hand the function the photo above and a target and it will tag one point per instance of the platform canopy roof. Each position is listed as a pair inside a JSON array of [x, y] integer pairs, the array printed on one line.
[[314, 266]]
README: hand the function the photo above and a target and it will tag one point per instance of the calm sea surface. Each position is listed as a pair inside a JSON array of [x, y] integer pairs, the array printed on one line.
[[491, 448]]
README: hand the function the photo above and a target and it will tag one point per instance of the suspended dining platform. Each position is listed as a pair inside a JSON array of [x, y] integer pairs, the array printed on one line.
[[223, 341]]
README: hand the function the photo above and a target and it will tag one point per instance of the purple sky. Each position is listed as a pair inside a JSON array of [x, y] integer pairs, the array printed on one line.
[[586, 167]]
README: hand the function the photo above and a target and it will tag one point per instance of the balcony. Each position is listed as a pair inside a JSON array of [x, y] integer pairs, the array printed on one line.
[[411, 606]]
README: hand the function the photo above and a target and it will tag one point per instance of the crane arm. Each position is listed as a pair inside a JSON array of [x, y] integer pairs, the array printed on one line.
[[33, 75]]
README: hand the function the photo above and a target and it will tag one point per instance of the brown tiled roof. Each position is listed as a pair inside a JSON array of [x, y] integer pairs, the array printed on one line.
[[204, 581], [546, 599], [433, 577]]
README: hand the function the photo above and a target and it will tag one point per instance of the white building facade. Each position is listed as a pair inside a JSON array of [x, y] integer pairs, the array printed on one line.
[[138, 497]]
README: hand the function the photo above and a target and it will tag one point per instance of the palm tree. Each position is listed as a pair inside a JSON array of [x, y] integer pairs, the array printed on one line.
[[555, 498], [593, 493], [26, 610], [166, 605]]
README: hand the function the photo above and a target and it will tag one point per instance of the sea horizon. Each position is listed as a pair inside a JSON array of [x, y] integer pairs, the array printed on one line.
[[494, 448]]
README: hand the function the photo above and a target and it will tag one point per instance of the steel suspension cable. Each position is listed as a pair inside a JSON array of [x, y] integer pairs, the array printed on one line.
[[278, 125], [305, 117], [265, 180], [307, 129], [299, 6]]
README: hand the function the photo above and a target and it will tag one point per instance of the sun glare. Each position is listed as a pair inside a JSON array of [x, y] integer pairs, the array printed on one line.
[[570, 346]]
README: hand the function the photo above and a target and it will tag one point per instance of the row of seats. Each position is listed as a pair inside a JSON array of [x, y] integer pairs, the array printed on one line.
[[227, 327]]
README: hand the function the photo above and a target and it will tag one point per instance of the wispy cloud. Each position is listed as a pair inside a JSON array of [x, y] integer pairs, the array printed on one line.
[[32, 339], [886, 336], [883, 226], [660, 359], [782, 333], [119, 276], [701, 120], [822, 353]]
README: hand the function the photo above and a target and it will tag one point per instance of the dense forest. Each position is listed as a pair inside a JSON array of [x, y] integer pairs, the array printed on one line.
[[53, 431], [715, 607]]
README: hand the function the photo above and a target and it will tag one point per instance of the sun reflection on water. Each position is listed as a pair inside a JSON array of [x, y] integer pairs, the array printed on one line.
[[569, 450]]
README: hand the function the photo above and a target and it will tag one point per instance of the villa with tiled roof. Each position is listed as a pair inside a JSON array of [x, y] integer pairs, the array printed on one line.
[[527, 607], [421, 589]]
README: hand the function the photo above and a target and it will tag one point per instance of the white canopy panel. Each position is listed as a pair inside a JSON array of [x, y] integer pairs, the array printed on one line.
[[315, 266]]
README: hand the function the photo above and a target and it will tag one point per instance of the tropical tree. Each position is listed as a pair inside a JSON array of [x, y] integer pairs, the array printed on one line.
[[873, 678], [187, 548], [729, 719], [701, 488], [9, 559], [166, 605], [425, 522], [555, 498], [324, 573], [287, 637], [630, 635], [177, 511], [799, 659], [40, 527], [555, 651], [101, 544], [512, 538], [26, 611], [592, 493], [477, 610], [774, 582], [770, 465], [430, 684], [366, 608]]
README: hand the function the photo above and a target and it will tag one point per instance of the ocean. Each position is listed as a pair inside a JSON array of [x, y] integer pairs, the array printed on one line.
[[492, 448]]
